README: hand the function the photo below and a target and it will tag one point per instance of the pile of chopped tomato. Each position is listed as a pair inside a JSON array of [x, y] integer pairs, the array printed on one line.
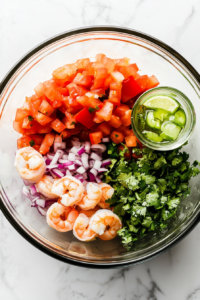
[[89, 99]]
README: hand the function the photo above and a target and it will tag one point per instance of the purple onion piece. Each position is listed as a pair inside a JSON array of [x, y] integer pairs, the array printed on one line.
[[99, 147], [105, 163], [92, 177], [98, 179], [105, 140], [33, 190], [102, 170], [81, 151], [58, 173], [41, 211]]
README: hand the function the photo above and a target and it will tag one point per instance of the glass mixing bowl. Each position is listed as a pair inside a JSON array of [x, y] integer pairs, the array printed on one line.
[[153, 57]]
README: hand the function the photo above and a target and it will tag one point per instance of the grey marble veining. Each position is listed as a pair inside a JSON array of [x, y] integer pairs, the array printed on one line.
[[27, 273]]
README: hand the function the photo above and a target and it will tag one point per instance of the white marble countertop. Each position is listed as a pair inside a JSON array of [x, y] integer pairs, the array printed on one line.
[[27, 273]]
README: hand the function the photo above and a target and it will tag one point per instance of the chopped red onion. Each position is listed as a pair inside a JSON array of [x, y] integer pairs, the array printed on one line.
[[95, 156], [52, 166], [106, 162], [63, 161], [84, 158], [33, 190], [87, 146], [78, 162], [99, 147], [60, 166], [97, 165], [48, 161], [65, 156], [52, 174], [81, 151], [68, 173], [48, 203], [57, 146], [76, 143], [61, 153], [55, 159], [73, 150], [98, 180], [50, 155], [80, 170], [92, 177], [67, 164], [75, 139], [101, 176], [58, 173], [102, 170], [41, 211], [79, 177], [26, 182], [72, 168], [85, 183], [105, 140], [40, 202], [85, 175], [71, 156], [91, 163], [25, 191], [94, 172]]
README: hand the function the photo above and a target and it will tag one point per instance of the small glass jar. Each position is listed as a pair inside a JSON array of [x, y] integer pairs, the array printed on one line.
[[185, 104]]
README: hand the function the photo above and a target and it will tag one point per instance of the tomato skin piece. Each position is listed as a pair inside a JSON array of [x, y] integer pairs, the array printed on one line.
[[108, 81], [152, 82], [33, 129], [65, 134], [105, 128], [130, 88], [63, 91], [126, 118], [130, 70], [128, 153], [97, 119], [82, 63], [45, 108], [42, 119], [23, 142], [99, 78], [122, 62], [39, 89], [34, 106], [115, 100], [21, 114], [17, 126], [142, 81], [85, 117], [117, 137], [99, 57], [27, 123], [115, 89], [47, 143], [72, 105], [106, 112], [84, 80], [131, 141], [95, 137], [37, 138], [65, 72], [57, 125], [43, 129], [109, 64], [115, 121], [69, 121], [51, 92], [121, 109]]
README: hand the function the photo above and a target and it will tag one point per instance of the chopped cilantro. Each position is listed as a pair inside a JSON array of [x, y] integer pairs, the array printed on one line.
[[73, 123], [32, 143], [116, 135], [91, 110], [147, 191], [30, 118]]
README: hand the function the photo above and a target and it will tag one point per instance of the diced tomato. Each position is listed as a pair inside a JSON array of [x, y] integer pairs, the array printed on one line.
[[122, 62], [109, 64], [45, 108], [115, 121], [120, 110], [97, 119], [27, 103], [142, 81], [89, 102], [100, 92], [95, 137], [131, 141], [82, 63], [85, 117], [36, 147], [47, 143], [63, 91], [33, 129], [117, 137], [51, 91], [99, 57], [76, 130], [105, 128], [18, 127], [65, 134], [130, 70], [126, 131], [58, 139], [100, 76], [28, 122], [152, 82], [23, 142], [108, 81], [115, 90], [72, 105], [84, 135], [84, 80], [126, 118], [21, 114], [128, 153], [131, 102], [81, 90], [66, 72], [42, 119], [69, 121], [130, 88], [37, 138], [90, 68], [57, 125], [39, 89], [43, 129], [106, 112], [115, 100], [34, 106]]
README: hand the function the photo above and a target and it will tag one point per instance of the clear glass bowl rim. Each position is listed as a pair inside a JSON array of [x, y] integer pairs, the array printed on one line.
[[6, 79]]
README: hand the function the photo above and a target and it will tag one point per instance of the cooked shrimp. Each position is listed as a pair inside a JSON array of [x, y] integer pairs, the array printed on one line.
[[107, 192], [44, 186], [61, 218], [89, 213], [105, 223], [82, 230], [30, 164], [91, 196], [69, 189]]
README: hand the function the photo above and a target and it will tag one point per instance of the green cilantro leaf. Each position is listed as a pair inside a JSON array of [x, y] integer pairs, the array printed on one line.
[[30, 118], [32, 143]]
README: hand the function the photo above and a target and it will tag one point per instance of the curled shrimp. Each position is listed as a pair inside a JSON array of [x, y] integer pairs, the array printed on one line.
[[69, 189], [30, 164], [91, 196], [61, 218], [107, 192], [106, 224], [89, 213], [44, 186], [82, 230]]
